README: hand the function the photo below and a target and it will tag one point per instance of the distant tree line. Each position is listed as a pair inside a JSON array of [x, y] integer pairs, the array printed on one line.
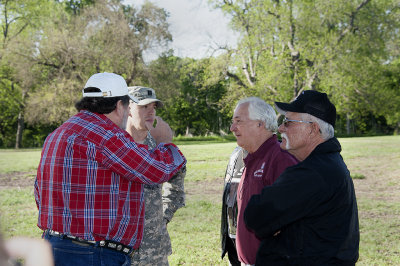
[[348, 49]]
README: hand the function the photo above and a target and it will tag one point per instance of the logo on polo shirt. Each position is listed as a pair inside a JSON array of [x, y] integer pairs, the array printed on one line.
[[259, 172]]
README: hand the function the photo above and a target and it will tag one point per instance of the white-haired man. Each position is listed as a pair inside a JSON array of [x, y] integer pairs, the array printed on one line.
[[309, 215], [254, 125]]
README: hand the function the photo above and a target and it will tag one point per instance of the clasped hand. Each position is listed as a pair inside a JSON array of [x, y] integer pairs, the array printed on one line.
[[161, 132]]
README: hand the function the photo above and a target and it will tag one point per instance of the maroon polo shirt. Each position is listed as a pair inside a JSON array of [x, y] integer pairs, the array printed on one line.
[[262, 168]]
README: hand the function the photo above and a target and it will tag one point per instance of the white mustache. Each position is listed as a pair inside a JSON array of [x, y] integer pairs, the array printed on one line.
[[284, 136]]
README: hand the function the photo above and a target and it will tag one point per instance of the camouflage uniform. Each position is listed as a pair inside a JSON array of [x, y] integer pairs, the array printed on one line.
[[161, 202]]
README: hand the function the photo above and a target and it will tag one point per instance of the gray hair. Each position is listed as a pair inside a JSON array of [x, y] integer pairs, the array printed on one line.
[[326, 129], [260, 110]]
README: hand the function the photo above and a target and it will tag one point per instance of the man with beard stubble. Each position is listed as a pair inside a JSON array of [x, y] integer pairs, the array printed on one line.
[[89, 183]]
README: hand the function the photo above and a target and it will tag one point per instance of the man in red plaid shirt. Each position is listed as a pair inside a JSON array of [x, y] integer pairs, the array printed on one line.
[[89, 183]]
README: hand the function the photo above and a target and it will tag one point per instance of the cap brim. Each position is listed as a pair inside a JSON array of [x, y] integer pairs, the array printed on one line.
[[150, 100], [134, 99], [282, 108]]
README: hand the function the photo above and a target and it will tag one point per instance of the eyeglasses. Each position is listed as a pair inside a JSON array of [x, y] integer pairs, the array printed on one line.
[[286, 122]]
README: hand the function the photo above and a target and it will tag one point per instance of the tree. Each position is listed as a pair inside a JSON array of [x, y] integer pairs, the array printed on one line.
[[105, 37], [289, 46], [20, 20], [191, 91], [9, 107], [387, 95], [164, 75], [52, 47], [75, 6]]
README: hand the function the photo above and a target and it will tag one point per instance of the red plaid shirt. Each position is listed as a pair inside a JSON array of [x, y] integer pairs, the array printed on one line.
[[90, 179]]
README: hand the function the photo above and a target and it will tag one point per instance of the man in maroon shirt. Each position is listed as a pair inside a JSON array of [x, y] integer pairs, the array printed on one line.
[[254, 125]]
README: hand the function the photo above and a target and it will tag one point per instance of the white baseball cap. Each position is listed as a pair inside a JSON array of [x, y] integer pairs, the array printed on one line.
[[109, 84]]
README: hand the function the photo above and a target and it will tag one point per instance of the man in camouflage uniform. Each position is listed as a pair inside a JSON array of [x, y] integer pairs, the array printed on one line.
[[161, 200]]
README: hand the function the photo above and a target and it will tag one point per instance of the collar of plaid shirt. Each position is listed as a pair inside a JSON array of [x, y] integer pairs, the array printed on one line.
[[90, 179]]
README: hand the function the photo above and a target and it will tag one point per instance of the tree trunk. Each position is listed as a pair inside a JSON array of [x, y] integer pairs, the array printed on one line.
[[20, 121], [295, 54], [397, 129], [374, 124], [20, 129], [348, 129]]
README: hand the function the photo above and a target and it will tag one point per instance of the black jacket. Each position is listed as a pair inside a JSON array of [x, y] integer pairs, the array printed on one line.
[[309, 215], [233, 174]]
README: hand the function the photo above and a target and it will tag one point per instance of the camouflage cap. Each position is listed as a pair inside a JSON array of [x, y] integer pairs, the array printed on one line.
[[144, 95]]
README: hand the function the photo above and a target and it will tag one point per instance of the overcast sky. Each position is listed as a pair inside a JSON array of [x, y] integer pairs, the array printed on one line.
[[196, 29]]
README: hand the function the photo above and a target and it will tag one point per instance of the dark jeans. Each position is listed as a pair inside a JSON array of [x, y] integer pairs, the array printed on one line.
[[70, 252], [232, 254]]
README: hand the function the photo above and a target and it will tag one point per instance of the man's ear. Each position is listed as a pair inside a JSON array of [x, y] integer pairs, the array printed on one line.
[[315, 129], [120, 108]]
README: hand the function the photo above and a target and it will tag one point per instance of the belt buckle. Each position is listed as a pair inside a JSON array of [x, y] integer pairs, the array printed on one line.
[[53, 233], [117, 247]]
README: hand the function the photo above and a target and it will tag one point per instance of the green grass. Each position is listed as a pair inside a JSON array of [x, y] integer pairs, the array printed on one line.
[[373, 162], [206, 162], [194, 232], [203, 139], [357, 176], [19, 212], [380, 232], [370, 147], [19, 160]]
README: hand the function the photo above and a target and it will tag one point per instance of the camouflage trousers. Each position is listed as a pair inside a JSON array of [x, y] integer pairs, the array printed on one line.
[[158, 260]]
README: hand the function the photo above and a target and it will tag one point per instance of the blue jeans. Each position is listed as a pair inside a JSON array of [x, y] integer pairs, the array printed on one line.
[[70, 252]]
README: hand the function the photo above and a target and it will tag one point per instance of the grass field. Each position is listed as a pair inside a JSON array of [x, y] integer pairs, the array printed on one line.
[[374, 163]]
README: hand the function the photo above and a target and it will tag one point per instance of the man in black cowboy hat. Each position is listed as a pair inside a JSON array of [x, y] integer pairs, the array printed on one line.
[[309, 215]]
